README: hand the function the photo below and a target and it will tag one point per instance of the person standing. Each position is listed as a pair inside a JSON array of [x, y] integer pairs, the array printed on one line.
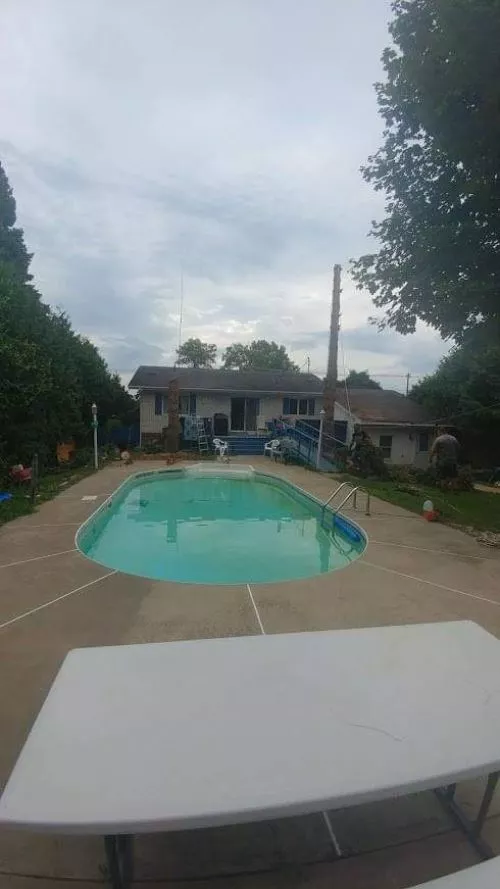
[[445, 451]]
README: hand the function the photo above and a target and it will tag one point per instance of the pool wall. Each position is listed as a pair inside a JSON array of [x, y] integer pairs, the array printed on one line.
[[93, 526]]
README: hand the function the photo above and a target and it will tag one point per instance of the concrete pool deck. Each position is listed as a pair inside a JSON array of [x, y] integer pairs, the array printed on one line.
[[53, 599]]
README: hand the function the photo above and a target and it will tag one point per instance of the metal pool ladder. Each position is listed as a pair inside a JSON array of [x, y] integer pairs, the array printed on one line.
[[353, 492]]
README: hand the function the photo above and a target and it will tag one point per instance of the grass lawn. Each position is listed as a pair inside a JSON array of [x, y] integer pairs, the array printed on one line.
[[472, 509], [48, 487]]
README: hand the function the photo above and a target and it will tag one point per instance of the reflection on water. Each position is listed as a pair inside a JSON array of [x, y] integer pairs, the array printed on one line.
[[214, 530]]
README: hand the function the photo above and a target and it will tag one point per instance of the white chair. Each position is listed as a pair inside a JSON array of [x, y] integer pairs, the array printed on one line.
[[271, 448], [221, 448]]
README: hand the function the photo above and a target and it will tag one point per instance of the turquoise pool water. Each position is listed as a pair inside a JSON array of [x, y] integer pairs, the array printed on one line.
[[216, 530]]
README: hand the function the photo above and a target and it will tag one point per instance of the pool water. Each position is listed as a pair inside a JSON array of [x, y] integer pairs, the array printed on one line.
[[216, 530]]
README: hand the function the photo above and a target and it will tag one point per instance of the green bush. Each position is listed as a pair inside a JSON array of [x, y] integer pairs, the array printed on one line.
[[152, 447], [82, 457], [367, 460]]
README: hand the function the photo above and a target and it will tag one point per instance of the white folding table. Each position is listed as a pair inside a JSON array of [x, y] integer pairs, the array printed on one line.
[[169, 736]]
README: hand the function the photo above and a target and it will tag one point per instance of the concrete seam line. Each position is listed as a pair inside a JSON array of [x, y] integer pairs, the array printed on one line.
[[333, 838], [257, 615], [439, 586], [439, 552], [79, 589], [37, 558]]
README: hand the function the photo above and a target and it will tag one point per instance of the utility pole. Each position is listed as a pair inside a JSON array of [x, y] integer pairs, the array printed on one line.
[[408, 377], [331, 373], [308, 365]]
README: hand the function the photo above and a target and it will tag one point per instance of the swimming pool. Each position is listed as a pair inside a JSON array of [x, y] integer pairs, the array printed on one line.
[[217, 526]]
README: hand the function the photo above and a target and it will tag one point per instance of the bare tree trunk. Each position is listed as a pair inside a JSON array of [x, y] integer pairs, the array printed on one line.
[[173, 431]]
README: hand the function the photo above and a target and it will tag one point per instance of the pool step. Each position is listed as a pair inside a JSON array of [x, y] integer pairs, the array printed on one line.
[[247, 444]]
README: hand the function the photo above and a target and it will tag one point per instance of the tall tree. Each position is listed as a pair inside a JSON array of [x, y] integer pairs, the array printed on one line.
[[12, 247], [439, 256], [361, 379], [464, 393], [49, 376], [196, 353], [258, 355]]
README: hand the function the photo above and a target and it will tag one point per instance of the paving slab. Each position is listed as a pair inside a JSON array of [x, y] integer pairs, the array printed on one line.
[[402, 866], [30, 584], [19, 542], [193, 611], [389, 823], [399, 867], [460, 571], [361, 596]]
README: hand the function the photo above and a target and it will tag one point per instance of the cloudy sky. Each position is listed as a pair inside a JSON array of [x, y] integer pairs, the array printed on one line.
[[222, 138]]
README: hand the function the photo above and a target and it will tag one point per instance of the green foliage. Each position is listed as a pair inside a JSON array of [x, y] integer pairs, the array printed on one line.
[[407, 478], [49, 376], [360, 379], [367, 460], [12, 247], [195, 353], [49, 485], [468, 509], [258, 355], [439, 257], [465, 393]]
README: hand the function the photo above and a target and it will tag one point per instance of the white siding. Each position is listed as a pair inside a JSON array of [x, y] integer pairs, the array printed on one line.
[[404, 445], [208, 404], [149, 421]]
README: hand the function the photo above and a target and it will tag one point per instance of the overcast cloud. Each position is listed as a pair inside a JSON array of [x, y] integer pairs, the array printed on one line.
[[220, 137]]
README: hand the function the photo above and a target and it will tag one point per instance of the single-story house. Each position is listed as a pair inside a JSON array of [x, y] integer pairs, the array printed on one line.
[[244, 402], [401, 427]]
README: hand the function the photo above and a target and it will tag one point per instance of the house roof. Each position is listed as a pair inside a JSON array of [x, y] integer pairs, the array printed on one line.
[[383, 406], [370, 406], [208, 379]]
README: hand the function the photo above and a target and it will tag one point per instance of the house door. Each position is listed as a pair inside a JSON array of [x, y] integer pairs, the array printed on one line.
[[244, 414], [251, 414], [237, 414]]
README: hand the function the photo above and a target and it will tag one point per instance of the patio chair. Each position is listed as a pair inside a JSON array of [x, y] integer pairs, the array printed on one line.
[[221, 448], [271, 447]]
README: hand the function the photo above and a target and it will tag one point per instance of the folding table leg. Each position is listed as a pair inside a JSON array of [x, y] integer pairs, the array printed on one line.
[[120, 860], [471, 828]]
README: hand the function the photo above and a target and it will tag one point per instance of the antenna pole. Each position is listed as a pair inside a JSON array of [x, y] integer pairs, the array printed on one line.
[[181, 311]]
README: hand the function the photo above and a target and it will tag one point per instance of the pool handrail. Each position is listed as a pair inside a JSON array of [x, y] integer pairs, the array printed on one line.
[[352, 493]]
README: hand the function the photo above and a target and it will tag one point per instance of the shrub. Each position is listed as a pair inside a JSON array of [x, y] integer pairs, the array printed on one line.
[[368, 460], [81, 458]]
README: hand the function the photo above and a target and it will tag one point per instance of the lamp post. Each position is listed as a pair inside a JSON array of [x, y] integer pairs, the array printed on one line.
[[320, 437], [94, 427]]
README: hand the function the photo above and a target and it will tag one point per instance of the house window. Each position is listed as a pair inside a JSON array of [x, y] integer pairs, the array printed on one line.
[[187, 403], [158, 405], [290, 406], [385, 445], [423, 442], [302, 407]]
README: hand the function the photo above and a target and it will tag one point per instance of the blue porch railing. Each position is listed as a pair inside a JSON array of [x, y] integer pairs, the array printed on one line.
[[306, 444]]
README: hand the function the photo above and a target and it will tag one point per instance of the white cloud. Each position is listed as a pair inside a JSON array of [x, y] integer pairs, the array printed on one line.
[[223, 138]]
